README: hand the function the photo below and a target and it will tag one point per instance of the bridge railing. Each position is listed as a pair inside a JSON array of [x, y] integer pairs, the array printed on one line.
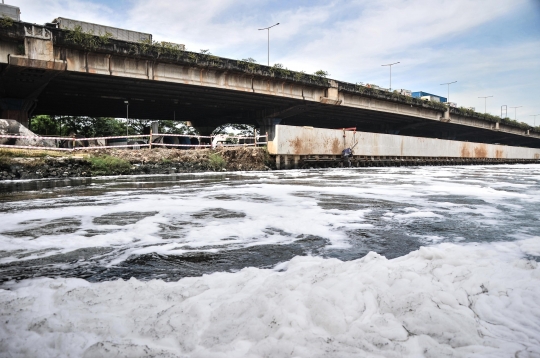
[[178, 141]]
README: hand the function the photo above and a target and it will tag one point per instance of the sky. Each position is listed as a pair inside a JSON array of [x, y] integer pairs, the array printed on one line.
[[490, 47]]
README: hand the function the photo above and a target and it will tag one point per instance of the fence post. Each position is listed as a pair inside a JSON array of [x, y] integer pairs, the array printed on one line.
[[73, 142], [150, 139]]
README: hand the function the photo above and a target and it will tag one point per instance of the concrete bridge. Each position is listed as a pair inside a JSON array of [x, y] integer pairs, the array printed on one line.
[[46, 71]]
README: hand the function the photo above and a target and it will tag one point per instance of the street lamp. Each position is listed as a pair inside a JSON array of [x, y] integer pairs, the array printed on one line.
[[127, 116], [448, 83], [515, 111], [390, 65], [268, 28], [485, 101], [534, 115]]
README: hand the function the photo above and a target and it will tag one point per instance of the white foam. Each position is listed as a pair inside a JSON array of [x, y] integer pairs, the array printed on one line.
[[445, 300], [280, 209]]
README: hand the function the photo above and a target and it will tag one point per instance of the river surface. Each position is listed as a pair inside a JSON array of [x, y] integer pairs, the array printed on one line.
[[179, 233]]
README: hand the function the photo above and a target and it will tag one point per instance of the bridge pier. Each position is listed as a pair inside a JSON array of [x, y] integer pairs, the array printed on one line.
[[268, 126], [17, 109]]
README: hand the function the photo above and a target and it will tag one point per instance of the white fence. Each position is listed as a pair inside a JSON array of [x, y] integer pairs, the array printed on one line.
[[136, 142]]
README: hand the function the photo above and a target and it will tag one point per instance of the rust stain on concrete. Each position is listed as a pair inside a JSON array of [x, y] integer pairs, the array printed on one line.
[[296, 145], [480, 151], [499, 153], [465, 153], [536, 156], [336, 148]]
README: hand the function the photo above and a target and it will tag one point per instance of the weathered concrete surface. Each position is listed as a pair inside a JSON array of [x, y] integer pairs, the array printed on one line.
[[13, 127], [291, 140]]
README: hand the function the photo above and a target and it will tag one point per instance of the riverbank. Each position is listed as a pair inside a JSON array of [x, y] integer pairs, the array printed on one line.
[[24, 164]]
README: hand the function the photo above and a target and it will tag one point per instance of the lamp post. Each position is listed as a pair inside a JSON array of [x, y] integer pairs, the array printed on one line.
[[448, 83], [390, 65], [515, 112], [505, 110], [127, 116], [485, 101], [534, 115], [268, 28]]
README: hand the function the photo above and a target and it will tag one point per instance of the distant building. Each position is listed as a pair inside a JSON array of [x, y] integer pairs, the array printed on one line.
[[12, 12], [429, 97]]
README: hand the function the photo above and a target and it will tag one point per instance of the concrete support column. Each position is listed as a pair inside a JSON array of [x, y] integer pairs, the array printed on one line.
[[17, 109], [296, 161], [268, 125]]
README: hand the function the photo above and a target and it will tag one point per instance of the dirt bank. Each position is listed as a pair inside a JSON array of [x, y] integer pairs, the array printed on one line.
[[17, 164]]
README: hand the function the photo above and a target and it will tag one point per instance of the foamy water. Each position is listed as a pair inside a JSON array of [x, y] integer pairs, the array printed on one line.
[[275, 264]]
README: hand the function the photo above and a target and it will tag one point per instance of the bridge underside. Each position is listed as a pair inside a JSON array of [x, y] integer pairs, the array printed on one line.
[[83, 94]]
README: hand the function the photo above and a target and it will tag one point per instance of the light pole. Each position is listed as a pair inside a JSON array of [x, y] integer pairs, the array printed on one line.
[[534, 115], [485, 101], [505, 111], [448, 83], [268, 28], [127, 116], [515, 112], [390, 65]]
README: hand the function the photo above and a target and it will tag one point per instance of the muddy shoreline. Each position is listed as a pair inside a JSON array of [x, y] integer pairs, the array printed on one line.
[[16, 165]]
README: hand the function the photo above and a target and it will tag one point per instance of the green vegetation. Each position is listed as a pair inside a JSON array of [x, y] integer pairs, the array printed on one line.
[[299, 75], [6, 21], [321, 73], [89, 127], [249, 64], [107, 165], [278, 69], [87, 40], [159, 48], [28, 153], [216, 162]]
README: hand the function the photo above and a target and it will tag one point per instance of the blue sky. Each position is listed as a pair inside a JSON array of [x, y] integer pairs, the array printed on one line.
[[491, 47]]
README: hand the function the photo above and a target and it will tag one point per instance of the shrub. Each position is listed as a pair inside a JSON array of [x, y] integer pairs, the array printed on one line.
[[216, 162], [6, 21], [321, 73], [107, 165]]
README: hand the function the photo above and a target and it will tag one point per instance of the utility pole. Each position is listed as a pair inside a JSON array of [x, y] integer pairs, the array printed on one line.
[[515, 112], [534, 115], [127, 117], [448, 83], [390, 65], [485, 101], [268, 28]]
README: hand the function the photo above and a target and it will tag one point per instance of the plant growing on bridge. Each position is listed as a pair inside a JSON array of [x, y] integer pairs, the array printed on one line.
[[6, 21], [321, 74], [249, 63], [87, 40], [299, 75], [206, 55], [279, 70]]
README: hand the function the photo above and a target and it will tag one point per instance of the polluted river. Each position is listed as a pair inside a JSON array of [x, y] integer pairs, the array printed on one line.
[[386, 262]]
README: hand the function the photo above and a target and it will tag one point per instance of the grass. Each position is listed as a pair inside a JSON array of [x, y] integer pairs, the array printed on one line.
[[29, 153], [216, 162], [107, 165]]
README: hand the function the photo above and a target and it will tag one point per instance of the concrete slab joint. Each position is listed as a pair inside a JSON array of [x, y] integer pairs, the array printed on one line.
[[332, 96]]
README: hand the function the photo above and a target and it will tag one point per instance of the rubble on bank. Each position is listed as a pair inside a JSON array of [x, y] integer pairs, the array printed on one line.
[[17, 164]]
